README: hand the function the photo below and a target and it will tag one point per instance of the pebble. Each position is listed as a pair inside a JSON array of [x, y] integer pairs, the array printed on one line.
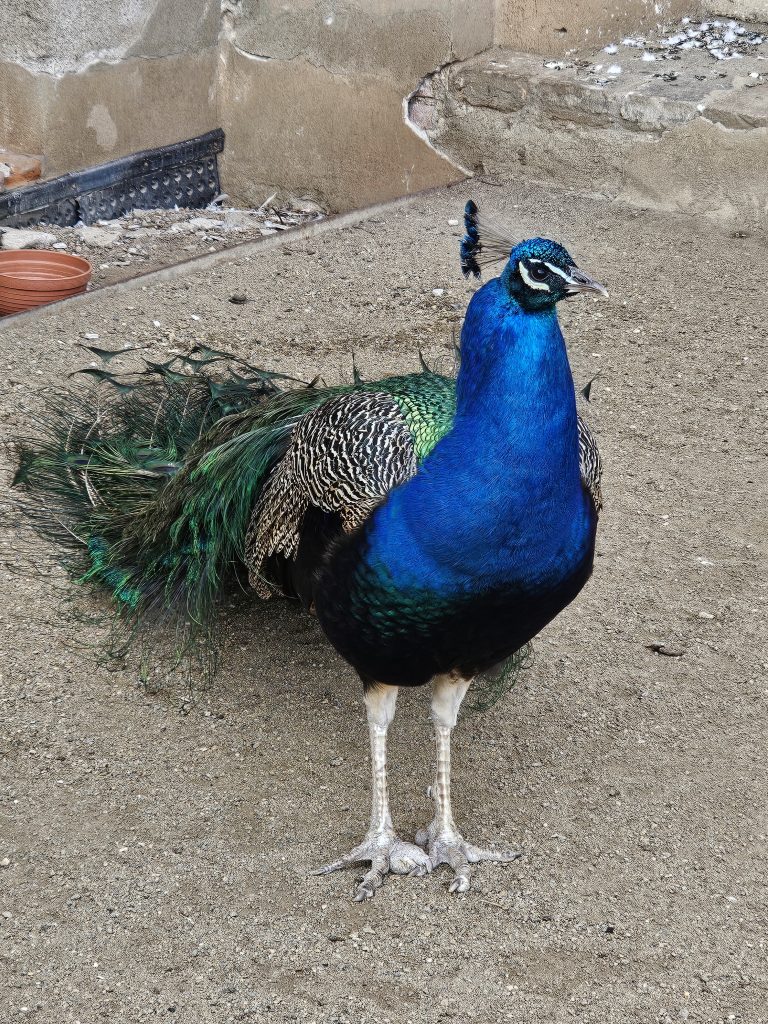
[[5, 862], [665, 649], [706, 615], [238, 220]]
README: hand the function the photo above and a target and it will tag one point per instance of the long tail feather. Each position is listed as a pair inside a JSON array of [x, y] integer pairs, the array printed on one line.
[[151, 485]]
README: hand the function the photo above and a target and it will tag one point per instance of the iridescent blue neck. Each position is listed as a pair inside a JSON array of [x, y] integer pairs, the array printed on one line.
[[512, 361]]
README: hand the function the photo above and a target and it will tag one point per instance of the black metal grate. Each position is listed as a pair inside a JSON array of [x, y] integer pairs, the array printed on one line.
[[183, 174]]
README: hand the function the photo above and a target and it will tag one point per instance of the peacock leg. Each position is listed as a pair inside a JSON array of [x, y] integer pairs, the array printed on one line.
[[387, 853], [441, 838]]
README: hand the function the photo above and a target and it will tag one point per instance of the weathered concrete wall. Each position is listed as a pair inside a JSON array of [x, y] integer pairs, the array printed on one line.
[[55, 37], [312, 94], [744, 10], [84, 82], [697, 146]]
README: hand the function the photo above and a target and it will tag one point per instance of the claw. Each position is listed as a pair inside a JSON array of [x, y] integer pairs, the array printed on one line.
[[459, 884], [420, 870], [353, 857]]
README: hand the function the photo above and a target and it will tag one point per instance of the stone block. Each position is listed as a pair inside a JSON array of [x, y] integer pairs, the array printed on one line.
[[16, 238]]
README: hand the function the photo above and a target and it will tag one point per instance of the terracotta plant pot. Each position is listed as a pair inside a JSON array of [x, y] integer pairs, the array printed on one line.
[[35, 277]]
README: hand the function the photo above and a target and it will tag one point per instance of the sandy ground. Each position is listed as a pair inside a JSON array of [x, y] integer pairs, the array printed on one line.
[[155, 851]]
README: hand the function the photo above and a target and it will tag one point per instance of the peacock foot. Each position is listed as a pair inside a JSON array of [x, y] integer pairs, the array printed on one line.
[[446, 845], [388, 854]]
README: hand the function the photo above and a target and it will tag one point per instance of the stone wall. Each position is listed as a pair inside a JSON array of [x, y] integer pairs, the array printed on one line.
[[312, 94], [87, 81]]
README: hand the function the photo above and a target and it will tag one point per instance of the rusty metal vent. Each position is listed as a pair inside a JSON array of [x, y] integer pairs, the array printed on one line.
[[183, 174]]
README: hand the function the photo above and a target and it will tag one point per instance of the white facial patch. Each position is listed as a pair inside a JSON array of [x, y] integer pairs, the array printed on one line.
[[556, 270], [538, 285]]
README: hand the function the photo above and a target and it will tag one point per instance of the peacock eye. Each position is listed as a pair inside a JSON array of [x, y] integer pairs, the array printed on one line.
[[538, 271]]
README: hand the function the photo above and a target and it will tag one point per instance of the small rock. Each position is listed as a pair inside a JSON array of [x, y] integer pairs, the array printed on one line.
[[59, 245], [438, 292], [205, 223], [98, 238], [237, 220], [706, 615], [669, 652], [238, 298], [16, 238], [5, 862]]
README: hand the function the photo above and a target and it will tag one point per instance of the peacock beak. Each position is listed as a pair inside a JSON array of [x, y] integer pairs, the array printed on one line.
[[578, 281]]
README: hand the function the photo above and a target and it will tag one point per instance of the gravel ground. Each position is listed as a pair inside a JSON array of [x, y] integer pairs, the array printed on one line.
[[156, 849], [147, 240]]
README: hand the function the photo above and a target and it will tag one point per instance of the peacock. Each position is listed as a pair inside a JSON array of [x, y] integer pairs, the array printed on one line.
[[432, 523]]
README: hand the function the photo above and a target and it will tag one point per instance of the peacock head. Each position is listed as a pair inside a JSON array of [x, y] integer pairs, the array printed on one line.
[[539, 272]]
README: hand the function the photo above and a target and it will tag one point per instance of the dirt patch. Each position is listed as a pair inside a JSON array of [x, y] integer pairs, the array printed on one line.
[[155, 852]]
